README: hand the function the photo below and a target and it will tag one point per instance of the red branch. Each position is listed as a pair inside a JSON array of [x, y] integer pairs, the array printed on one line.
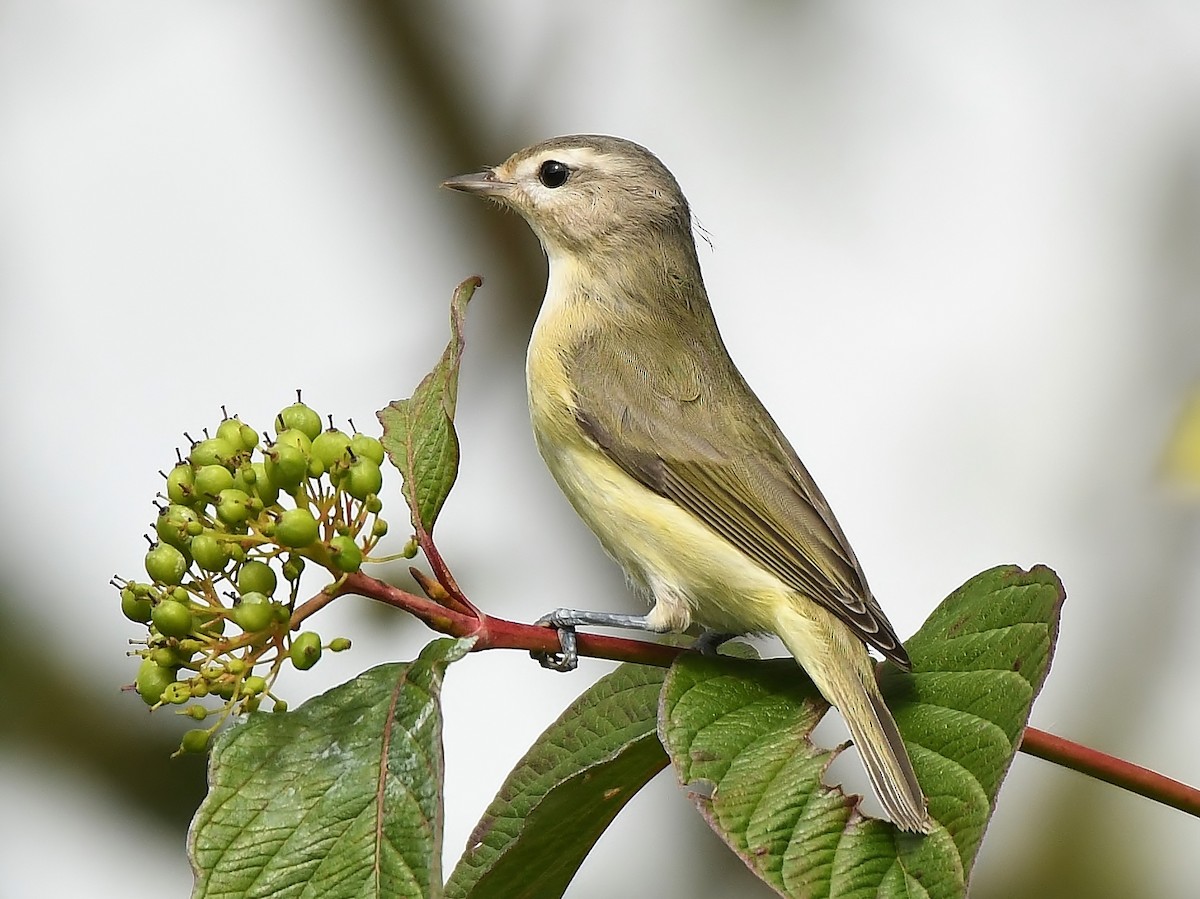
[[1109, 769], [499, 633]]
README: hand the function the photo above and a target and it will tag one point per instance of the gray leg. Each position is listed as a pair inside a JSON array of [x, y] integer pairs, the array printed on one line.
[[710, 641], [566, 620]]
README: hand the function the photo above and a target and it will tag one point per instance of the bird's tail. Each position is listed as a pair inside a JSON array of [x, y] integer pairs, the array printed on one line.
[[841, 668]]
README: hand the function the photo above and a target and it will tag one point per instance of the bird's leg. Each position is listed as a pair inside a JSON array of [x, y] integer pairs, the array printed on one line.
[[566, 620], [710, 641]]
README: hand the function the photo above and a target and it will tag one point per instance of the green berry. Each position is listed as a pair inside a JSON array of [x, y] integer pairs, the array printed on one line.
[[285, 468], [280, 706], [173, 619], [331, 447], [256, 577], [170, 657], [234, 506], [374, 505], [214, 451], [230, 430], [380, 528], [195, 741], [249, 437], [197, 712], [365, 446], [165, 564], [345, 554], [306, 650], [235, 666], [135, 608], [264, 488], [212, 479], [299, 417], [253, 685], [172, 524], [296, 438], [253, 613], [181, 483], [152, 679], [363, 479], [296, 528], [293, 568], [339, 644], [210, 553], [177, 693]]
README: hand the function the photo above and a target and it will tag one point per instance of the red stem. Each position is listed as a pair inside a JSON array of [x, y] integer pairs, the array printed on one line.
[[1110, 769], [499, 633]]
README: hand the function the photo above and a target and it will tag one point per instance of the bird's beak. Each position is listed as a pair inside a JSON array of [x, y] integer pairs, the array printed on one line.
[[484, 183]]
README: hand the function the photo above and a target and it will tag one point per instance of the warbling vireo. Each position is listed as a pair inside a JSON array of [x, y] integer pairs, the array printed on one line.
[[667, 454]]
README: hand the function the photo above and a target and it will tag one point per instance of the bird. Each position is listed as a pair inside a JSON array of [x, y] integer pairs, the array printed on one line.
[[667, 454]]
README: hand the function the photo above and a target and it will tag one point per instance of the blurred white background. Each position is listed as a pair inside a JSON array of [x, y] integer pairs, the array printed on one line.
[[956, 250]]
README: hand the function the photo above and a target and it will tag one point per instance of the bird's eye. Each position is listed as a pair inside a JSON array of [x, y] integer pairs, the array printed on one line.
[[553, 173]]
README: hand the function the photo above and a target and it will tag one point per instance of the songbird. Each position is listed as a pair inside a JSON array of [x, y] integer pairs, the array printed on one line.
[[667, 454]]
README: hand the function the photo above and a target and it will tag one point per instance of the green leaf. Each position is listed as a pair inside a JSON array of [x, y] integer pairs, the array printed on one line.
[[738, 734], [341, 797], [418, 433], [565, 791]]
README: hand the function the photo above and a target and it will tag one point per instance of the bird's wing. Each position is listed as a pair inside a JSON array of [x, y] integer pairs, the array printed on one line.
[[725, 461]]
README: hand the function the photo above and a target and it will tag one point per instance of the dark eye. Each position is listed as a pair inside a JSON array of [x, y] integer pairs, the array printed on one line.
[[553, 173]]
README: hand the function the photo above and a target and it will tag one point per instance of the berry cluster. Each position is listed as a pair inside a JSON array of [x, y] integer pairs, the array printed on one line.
[[237, 517]]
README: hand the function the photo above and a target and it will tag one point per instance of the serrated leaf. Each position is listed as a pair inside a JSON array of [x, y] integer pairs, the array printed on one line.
[[418, 432], [341, 797], [566, 791], [739, 738]]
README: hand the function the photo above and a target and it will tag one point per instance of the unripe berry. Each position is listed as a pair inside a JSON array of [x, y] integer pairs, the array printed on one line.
[[214, 451], [296, 528], [253, 685], [181, 481], [256, 577], [165, 564], [306, 650], [151, 680], [363, 479], [345, 554], [210, 553], [173, 619], [296, 438], [230, 430], [212, 479], [365, 446], [293, 568], [285, 467], [253, 613], [134, 608], [234, 506], [172, 524], [169, 657], [331, 447], [266, 489], [195, 741], [177, 693], [299, 417], [339, 644]]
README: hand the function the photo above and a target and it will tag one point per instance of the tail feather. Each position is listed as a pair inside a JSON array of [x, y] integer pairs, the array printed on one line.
[[841, 668], [888, 766]]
